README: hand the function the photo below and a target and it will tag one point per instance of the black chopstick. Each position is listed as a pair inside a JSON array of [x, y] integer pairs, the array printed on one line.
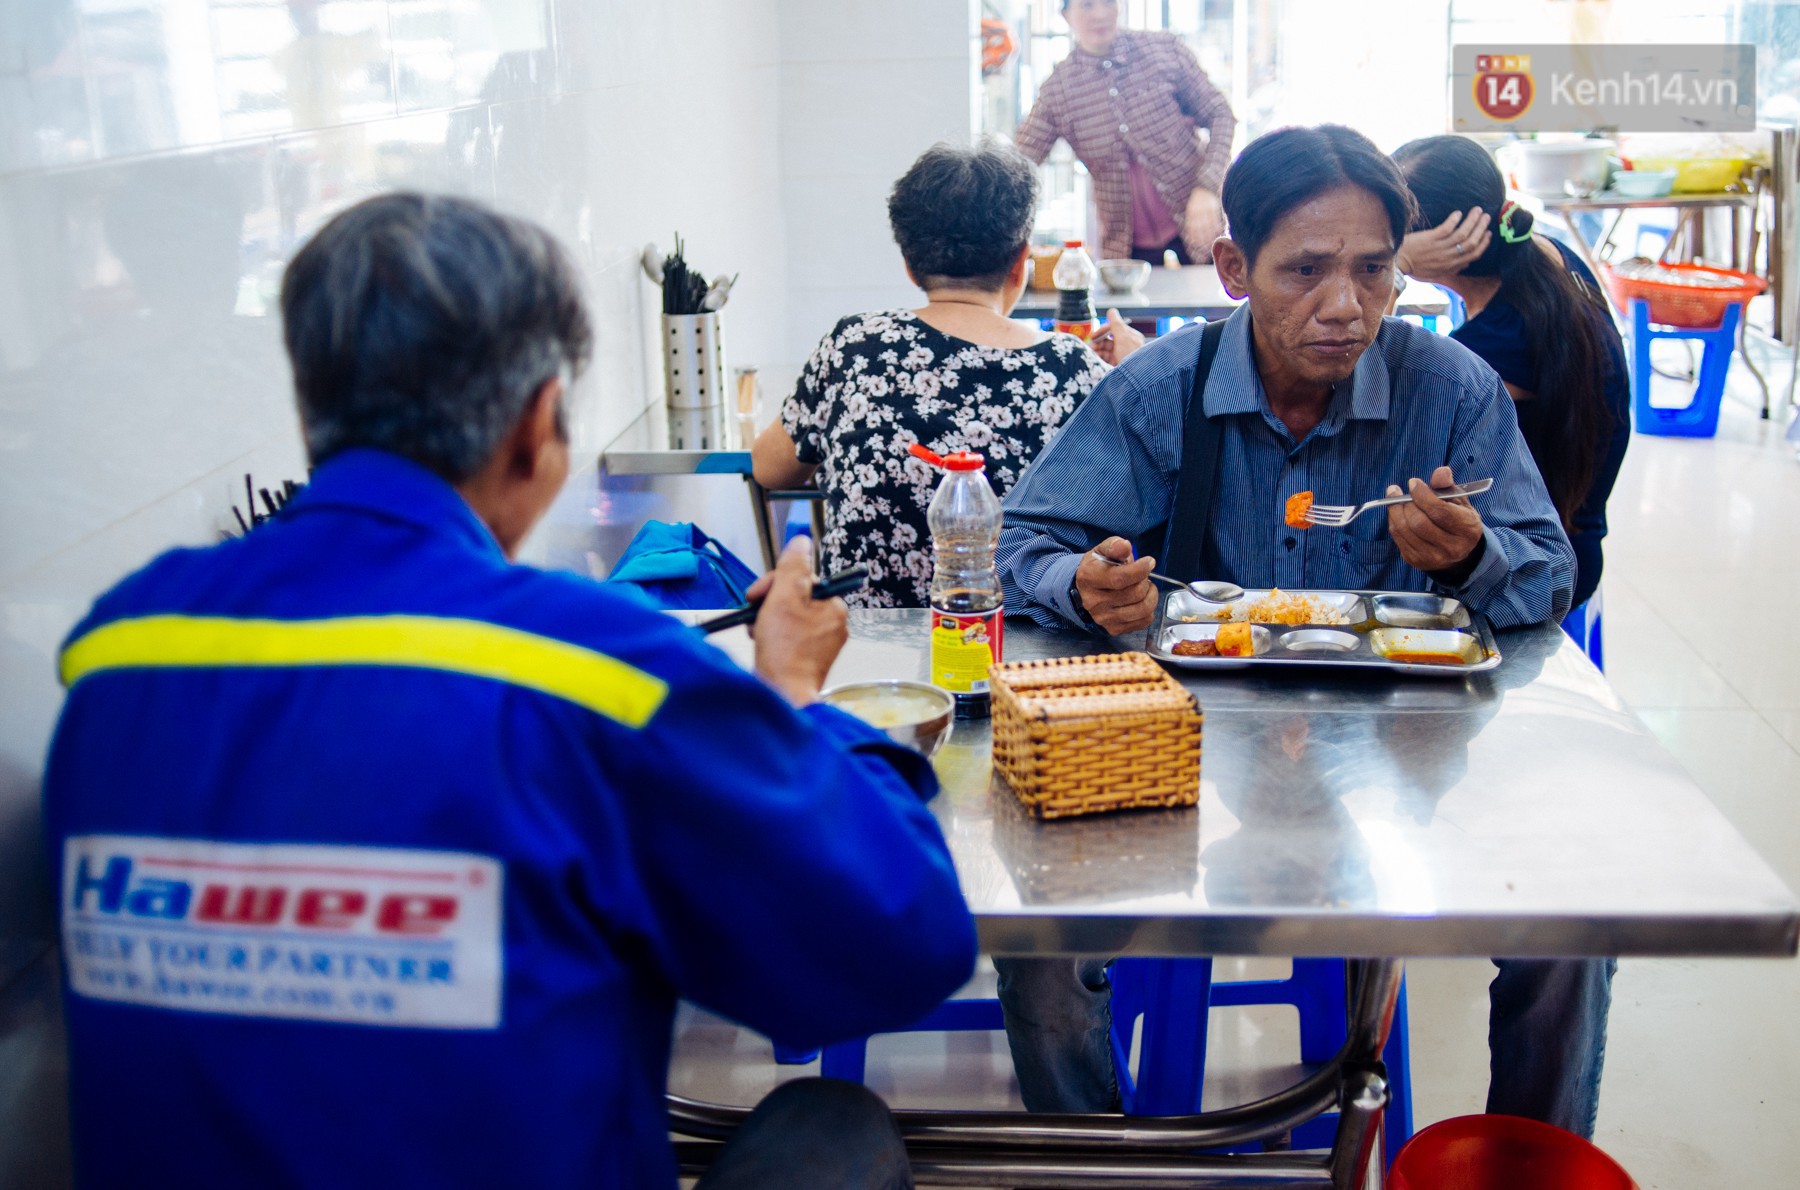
[[841, 583]]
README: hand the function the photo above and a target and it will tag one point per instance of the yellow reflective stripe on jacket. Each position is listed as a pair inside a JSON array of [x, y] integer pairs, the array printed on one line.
[[602, 684]]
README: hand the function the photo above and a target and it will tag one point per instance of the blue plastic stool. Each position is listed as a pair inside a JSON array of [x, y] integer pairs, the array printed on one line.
[[1700, 417], [849, 1059], [1172, 1049], [1173, 996], [1583, 626]]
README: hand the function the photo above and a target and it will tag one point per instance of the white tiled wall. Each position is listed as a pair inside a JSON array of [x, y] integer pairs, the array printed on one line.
[[865, 89], [161, 159]]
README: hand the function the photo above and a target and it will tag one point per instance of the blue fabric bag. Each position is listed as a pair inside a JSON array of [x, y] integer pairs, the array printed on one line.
[[679, 566]]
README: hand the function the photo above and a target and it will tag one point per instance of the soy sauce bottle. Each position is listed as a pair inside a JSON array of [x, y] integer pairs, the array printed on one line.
[[967, 619], [1074, 276]]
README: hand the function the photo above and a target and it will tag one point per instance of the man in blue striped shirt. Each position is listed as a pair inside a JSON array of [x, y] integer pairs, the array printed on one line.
[[1300, 403]]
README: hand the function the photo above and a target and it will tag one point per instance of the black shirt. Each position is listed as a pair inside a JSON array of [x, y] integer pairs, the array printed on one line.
[[1498, 336]]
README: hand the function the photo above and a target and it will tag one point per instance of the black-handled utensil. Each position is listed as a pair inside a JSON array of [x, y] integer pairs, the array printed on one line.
[[841, 583]]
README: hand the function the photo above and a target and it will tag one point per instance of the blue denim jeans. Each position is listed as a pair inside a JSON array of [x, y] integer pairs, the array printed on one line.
[[1546, 1036], [814, 1134], [1547, 1039], [1059, 1027]]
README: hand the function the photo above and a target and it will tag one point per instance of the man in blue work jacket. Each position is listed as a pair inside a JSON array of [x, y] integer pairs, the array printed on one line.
[[383, 860]]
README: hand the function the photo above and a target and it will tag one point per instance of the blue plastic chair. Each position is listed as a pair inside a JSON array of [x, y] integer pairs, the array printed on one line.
[[1700, 417], [1458, 313], [1173, 997], [1583, 626]]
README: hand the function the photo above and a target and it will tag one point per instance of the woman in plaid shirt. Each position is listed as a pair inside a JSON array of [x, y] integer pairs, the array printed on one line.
[[1131, 104]]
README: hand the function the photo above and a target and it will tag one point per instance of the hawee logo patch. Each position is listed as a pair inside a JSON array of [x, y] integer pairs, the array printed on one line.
[[358, 935]]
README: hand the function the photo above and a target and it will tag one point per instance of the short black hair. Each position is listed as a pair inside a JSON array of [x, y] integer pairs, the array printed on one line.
[[423, 325], [962, 216], [1280, 170]]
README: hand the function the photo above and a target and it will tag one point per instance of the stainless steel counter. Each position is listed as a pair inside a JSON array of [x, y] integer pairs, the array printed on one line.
[[1193, 291], [642, 448], [1524, 811]]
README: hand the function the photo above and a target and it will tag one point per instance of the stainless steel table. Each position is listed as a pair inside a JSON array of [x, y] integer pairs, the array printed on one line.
[[1689, 231], [1686, 208], [1193, 291], [1523, 811]]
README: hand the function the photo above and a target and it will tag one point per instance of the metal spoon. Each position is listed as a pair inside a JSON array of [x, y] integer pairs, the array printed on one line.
[[1205, 590]]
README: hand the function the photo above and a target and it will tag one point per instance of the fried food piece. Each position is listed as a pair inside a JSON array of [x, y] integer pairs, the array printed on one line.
[[1195, 648], [1297, 507], [1236, 640]]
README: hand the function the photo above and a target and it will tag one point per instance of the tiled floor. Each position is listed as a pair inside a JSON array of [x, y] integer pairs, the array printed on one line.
[[1703, 1060]]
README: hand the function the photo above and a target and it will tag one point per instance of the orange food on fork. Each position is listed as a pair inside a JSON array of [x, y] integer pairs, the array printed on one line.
[[1298, 506]]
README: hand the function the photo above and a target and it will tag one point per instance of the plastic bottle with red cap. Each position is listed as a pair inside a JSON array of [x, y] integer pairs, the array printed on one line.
[[967, 619], [1074, 276]]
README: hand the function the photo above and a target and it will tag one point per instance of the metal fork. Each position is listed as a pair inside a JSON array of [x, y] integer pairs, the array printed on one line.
[[1336, 516]]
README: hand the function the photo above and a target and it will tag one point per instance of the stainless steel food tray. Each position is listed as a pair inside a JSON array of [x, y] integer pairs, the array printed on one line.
[[1368, 625]]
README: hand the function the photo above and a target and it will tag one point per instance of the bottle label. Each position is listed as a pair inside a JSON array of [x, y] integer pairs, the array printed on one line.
[[963, 645], [1081, 330]]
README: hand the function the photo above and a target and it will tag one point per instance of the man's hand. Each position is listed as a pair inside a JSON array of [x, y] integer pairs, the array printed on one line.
[[797, 636], [1116, 340], [1445, 250], [1439, 537], [1205, 222], [1117, 593]]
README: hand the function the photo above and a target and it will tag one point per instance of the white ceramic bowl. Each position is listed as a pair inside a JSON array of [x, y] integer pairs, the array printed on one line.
[[1555, 169], [1123, 276]]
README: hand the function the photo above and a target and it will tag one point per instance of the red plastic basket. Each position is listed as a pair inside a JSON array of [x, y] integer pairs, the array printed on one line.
[[1495, 1152], [1700, 308]]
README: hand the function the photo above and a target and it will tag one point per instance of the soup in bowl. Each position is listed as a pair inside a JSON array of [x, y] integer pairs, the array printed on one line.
[[912, 713]]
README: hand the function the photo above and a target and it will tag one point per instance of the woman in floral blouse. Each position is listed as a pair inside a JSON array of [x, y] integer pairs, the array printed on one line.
[[956, 374]]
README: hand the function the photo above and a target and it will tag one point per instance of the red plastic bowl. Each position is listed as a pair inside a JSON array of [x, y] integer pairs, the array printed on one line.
[[1689, 306], [1503, 1153]]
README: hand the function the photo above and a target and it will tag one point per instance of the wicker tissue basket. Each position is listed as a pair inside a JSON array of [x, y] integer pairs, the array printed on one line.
[[1078, 735]]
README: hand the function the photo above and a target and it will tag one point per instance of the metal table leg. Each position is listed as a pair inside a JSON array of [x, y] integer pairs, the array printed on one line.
[[1743, 348], [1793, 373], [1581, 243], [1076, 1152], [767, 529], [759, 509], [1365, 1086]]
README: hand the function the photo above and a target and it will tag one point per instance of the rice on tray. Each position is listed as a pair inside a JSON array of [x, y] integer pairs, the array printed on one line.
[[1281, 607]]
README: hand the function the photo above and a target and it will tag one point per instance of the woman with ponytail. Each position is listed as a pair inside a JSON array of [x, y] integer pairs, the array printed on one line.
[[1537, 317]]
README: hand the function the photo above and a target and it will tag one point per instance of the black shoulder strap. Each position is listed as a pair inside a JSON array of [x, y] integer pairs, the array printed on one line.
[[1191, 514]]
